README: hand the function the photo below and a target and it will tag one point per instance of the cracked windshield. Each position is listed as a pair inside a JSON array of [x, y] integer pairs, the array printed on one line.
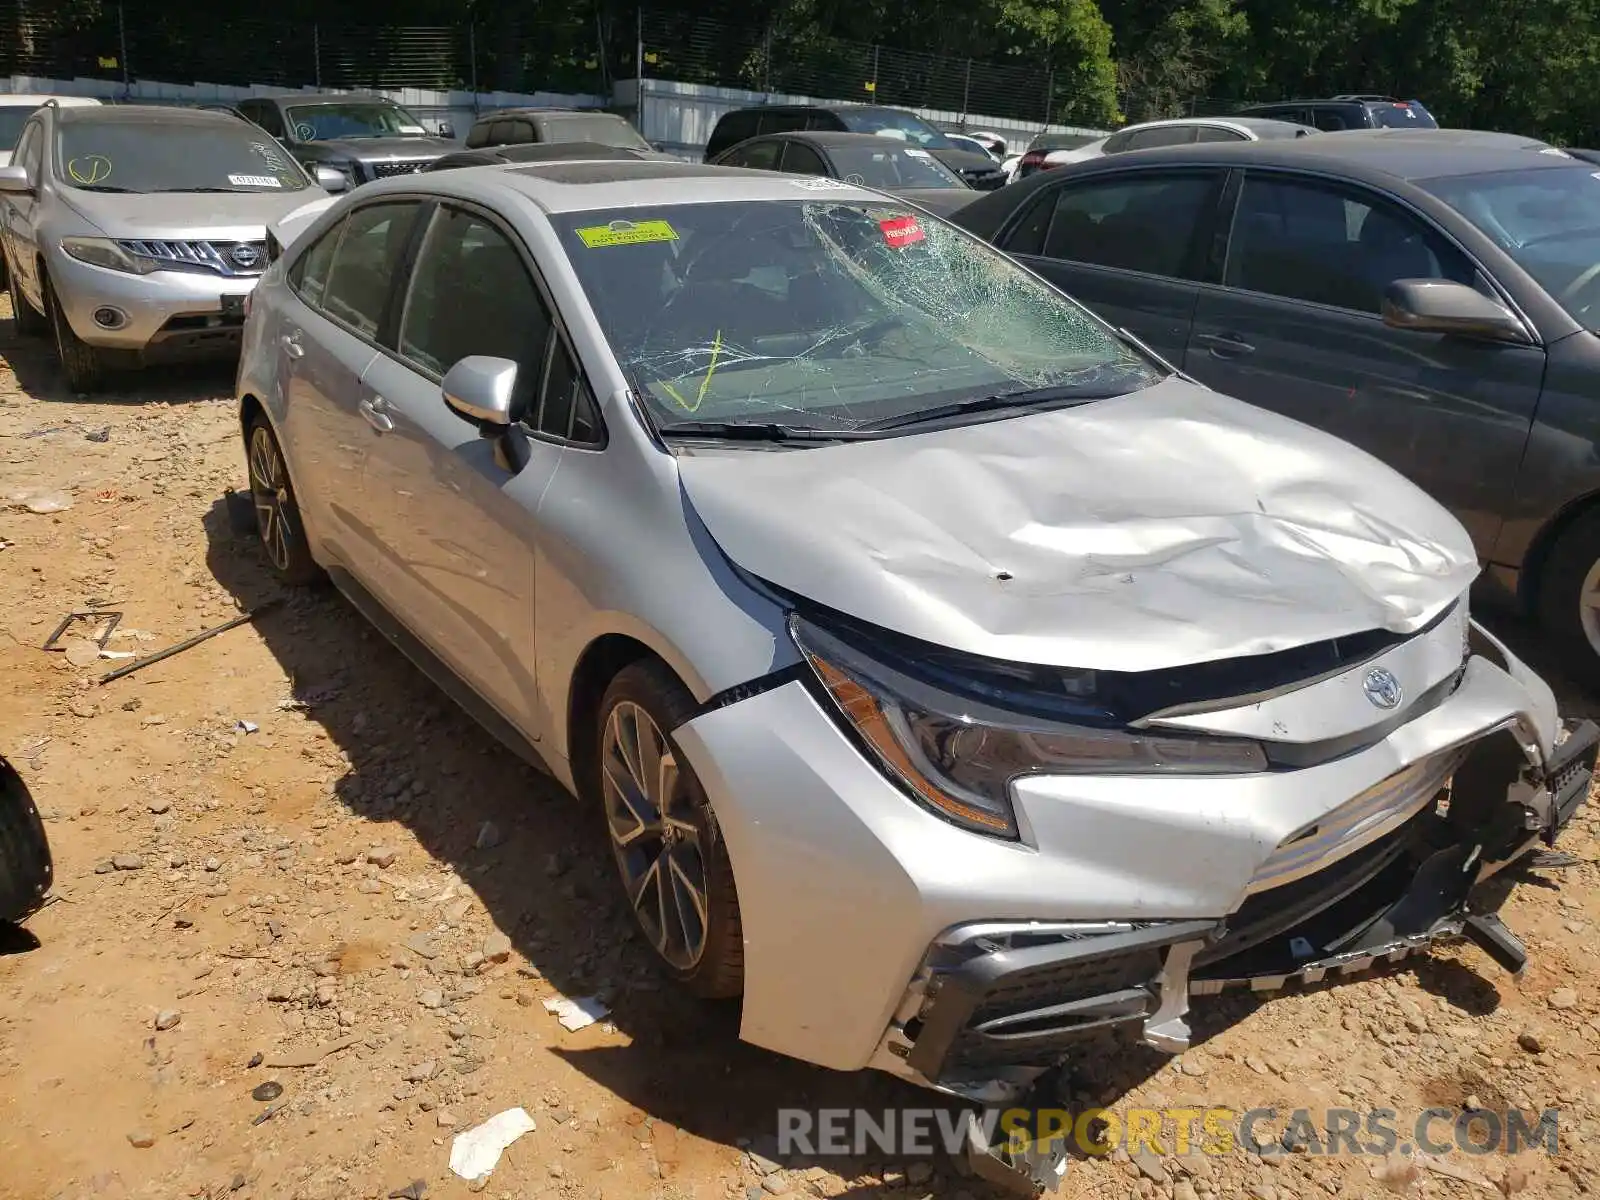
[[830, 315]]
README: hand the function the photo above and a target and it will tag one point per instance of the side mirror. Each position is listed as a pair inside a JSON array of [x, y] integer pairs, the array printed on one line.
[[14, 179], [447, 130], [330, 180], [1438, 306], [480, 389]]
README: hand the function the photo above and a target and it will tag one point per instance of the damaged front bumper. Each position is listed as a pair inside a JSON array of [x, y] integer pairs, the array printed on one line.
[[878, 935]]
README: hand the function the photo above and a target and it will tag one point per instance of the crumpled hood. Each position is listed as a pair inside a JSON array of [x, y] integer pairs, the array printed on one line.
[[223, 216], [1171, 526]]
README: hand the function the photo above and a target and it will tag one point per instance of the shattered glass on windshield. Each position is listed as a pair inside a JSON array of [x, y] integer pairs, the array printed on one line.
[[828, 314]]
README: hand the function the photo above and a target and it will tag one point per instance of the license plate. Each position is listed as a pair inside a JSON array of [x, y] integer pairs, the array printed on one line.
[[233, 306]]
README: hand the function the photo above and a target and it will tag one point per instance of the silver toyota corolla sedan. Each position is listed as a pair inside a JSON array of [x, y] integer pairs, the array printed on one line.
[[954, 679]]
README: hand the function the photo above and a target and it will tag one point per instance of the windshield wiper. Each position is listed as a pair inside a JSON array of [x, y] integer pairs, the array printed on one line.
[[100, 187], [767, 431], [1026, 398], [228, 190]]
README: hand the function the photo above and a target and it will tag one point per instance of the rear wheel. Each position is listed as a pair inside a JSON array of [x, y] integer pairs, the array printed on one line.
[[675, 869], [28, 319], [84, 364], [277, 511], [1569, 595]]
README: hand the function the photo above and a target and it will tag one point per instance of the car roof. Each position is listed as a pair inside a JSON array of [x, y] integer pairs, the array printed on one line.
[[148, 114], [569, 186], [841, 106], [536, 110], [1267, 125], [20, 100], [530, 152], [827, 138], [1407, 154], [298, 98]]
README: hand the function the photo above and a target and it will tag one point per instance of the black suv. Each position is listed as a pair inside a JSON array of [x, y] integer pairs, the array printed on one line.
[[1347, 112], [979, 170], [363, 137]]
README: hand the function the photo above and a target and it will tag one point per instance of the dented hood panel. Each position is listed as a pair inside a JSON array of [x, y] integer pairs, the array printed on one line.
[[1170, 526]]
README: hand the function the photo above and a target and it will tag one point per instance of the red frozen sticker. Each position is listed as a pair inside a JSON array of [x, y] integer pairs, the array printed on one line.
[[901, 231]]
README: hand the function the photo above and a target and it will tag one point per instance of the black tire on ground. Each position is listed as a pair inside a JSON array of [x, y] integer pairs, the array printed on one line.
[[29, 321], [84, 364], [26, 871], [1571, 559], [278, 521], [718, 971]]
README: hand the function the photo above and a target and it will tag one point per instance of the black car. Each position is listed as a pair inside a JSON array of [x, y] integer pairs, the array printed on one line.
[[1347, 112], [1432, 298], [859, 158], [362, 137], [979, 170], [524, 126], [489, 156]]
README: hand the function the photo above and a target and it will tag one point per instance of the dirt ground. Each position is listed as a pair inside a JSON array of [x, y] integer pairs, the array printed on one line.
[[285, 840]]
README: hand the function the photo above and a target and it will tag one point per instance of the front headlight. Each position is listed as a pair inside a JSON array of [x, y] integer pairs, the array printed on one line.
[[957, 754], [102, 252]]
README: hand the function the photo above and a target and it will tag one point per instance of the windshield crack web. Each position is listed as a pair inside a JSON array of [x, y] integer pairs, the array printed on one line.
[[851, 314]]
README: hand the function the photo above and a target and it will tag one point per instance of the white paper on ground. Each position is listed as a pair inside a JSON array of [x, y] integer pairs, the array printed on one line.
[[477, 1151], [576, 1014]]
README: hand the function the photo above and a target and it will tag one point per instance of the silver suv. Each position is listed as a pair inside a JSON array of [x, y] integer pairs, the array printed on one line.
[[135, 232]]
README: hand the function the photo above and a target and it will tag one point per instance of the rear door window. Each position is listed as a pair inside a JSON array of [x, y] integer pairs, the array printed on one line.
[[1165, 135], [1133, 222], [366, 263], [761, 156], [800, 159], [1219, 133]]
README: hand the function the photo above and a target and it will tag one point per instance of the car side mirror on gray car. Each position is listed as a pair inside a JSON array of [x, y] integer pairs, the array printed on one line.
[[1439, 306], [482, 390], [14, 179]]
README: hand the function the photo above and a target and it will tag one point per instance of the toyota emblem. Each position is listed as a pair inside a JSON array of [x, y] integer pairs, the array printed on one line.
[[244, 256], [1382, 688]]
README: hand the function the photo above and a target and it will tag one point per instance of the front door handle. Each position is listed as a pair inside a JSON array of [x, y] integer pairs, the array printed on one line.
[[1225, 345], [376, 413], [291, 344]]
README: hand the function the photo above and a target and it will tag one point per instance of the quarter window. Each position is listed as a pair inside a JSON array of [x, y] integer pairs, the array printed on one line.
[[1306, 241], [365, 264], [762, 156], [1163, 135], [1137, 222], [1219, 133]]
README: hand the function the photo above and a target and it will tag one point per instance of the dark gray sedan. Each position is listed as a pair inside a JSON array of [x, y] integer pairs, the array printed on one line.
[[1434, 299], [864, 159]]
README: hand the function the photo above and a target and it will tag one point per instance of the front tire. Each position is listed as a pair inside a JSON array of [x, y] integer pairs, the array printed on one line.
[[84, 364], [676, 874], [1569, 596], [278, 522], [29, 321]]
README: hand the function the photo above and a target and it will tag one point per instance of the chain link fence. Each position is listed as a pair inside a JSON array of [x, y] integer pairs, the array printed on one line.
[[127, 40]]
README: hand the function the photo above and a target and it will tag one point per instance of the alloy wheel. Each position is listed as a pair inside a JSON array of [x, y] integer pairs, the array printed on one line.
[[655, 835], [1589, 606], [269, 485]]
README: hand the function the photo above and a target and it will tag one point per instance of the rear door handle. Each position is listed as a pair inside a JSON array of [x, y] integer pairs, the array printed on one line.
[[376, 413], [1225, 345], [291, 343]]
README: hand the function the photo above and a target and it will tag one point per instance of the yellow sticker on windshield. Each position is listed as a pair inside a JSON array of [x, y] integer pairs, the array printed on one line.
[[627, 233]]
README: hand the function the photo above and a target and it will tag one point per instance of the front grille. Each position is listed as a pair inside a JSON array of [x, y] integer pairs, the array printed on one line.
[[383, 170], [221, 258]]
